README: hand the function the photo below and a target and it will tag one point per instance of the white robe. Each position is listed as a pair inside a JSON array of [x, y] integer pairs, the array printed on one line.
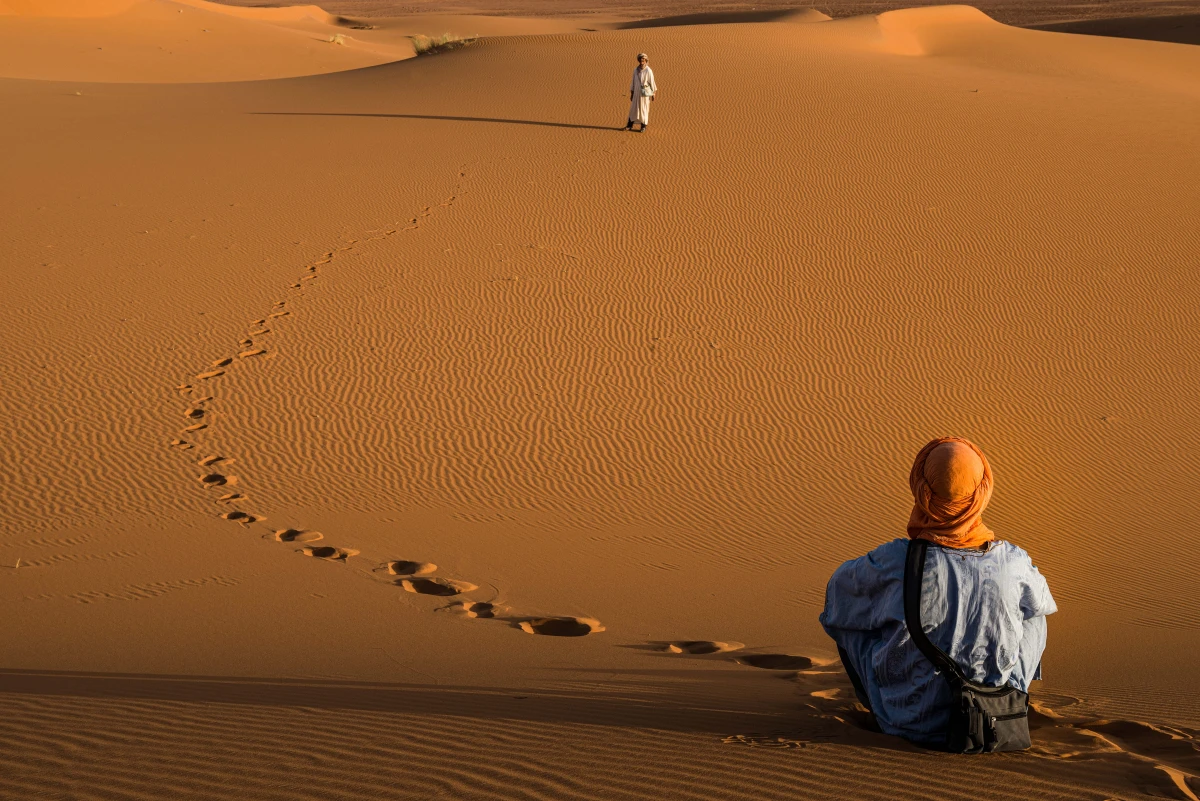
[[639, 109]]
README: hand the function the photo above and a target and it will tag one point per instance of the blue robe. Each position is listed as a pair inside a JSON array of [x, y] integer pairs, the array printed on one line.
[[986, 609]]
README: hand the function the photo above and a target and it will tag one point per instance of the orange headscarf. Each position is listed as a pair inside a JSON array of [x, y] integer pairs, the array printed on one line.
[[951, 485]]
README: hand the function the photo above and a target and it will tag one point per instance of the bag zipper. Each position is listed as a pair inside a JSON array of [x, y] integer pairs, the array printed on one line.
[[1012, 716]]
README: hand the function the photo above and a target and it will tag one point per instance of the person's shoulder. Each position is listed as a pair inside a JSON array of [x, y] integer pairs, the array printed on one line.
[[1009, 552], [866, 574], [887, 557], [891, 549], [882, 556], [1019, 565], [1015, 558]]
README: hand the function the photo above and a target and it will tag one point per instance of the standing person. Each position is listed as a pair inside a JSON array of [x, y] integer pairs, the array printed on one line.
[[641, 91], [980, 600]]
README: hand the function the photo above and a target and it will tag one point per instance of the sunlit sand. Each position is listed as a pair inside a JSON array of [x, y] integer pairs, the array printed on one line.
[[384, 426]]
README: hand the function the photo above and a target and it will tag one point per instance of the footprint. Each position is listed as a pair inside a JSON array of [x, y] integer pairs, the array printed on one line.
[[222, 362], [246, 342], [561, 626], [184, 388], [199, 401], [404, 567], [437, 586], [311, 277], [1162, 759], [208, 461], [246, 354], [1176, 752], [197, 427], [312, 268], [297, 535], [217, 480], [210, 374], [232, 497], [328, 552], [194, 413], [479, 609], [242, 517], [182, 444], [776, 661], [703, 647], [260, 332], [279, 314]]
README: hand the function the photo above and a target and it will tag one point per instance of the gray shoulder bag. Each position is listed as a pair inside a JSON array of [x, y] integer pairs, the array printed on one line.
[[982, 718]]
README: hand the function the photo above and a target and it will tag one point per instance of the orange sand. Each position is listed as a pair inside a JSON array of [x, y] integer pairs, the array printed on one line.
[[324, 397]]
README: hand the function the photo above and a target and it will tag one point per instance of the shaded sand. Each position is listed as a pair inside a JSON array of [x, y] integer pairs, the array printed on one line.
[[1180, 28], [633, 391]]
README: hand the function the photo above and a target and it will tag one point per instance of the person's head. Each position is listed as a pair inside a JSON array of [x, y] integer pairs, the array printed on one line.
[[951, 483], [953, 470], [643, 60]]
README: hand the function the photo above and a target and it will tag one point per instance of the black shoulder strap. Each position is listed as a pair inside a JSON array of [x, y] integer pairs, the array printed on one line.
[[914, 572]]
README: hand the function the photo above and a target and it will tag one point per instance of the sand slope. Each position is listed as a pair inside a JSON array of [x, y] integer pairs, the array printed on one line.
[[661, 384], [182, 41], [169, 41]]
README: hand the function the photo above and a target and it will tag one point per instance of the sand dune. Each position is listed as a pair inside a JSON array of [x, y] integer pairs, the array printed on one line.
[[66, 9], [194, 41], [90, 9], [172, 41], [410, 430]]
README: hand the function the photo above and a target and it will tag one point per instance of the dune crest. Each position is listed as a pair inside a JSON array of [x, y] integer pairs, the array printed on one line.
[[272, 14], [924, 31]]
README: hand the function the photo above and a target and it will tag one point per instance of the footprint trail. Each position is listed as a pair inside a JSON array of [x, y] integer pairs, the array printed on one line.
[[416, 577]]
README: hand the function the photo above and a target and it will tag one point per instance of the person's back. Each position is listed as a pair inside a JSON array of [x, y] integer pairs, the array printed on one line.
[[982, 602]]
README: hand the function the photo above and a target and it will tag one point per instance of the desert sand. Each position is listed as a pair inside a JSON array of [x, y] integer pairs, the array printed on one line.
[[391, 426]]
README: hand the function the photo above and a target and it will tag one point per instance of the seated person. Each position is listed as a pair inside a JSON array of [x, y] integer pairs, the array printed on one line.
[[982, 601]]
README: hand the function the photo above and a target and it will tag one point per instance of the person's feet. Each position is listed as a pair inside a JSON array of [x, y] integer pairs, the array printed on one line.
[[629, 125], [642, 129]]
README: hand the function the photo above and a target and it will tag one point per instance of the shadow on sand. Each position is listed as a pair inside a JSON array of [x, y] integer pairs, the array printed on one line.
[[1180, 29], [707, 702], [439, 117], [680, 700], [711, 18]]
